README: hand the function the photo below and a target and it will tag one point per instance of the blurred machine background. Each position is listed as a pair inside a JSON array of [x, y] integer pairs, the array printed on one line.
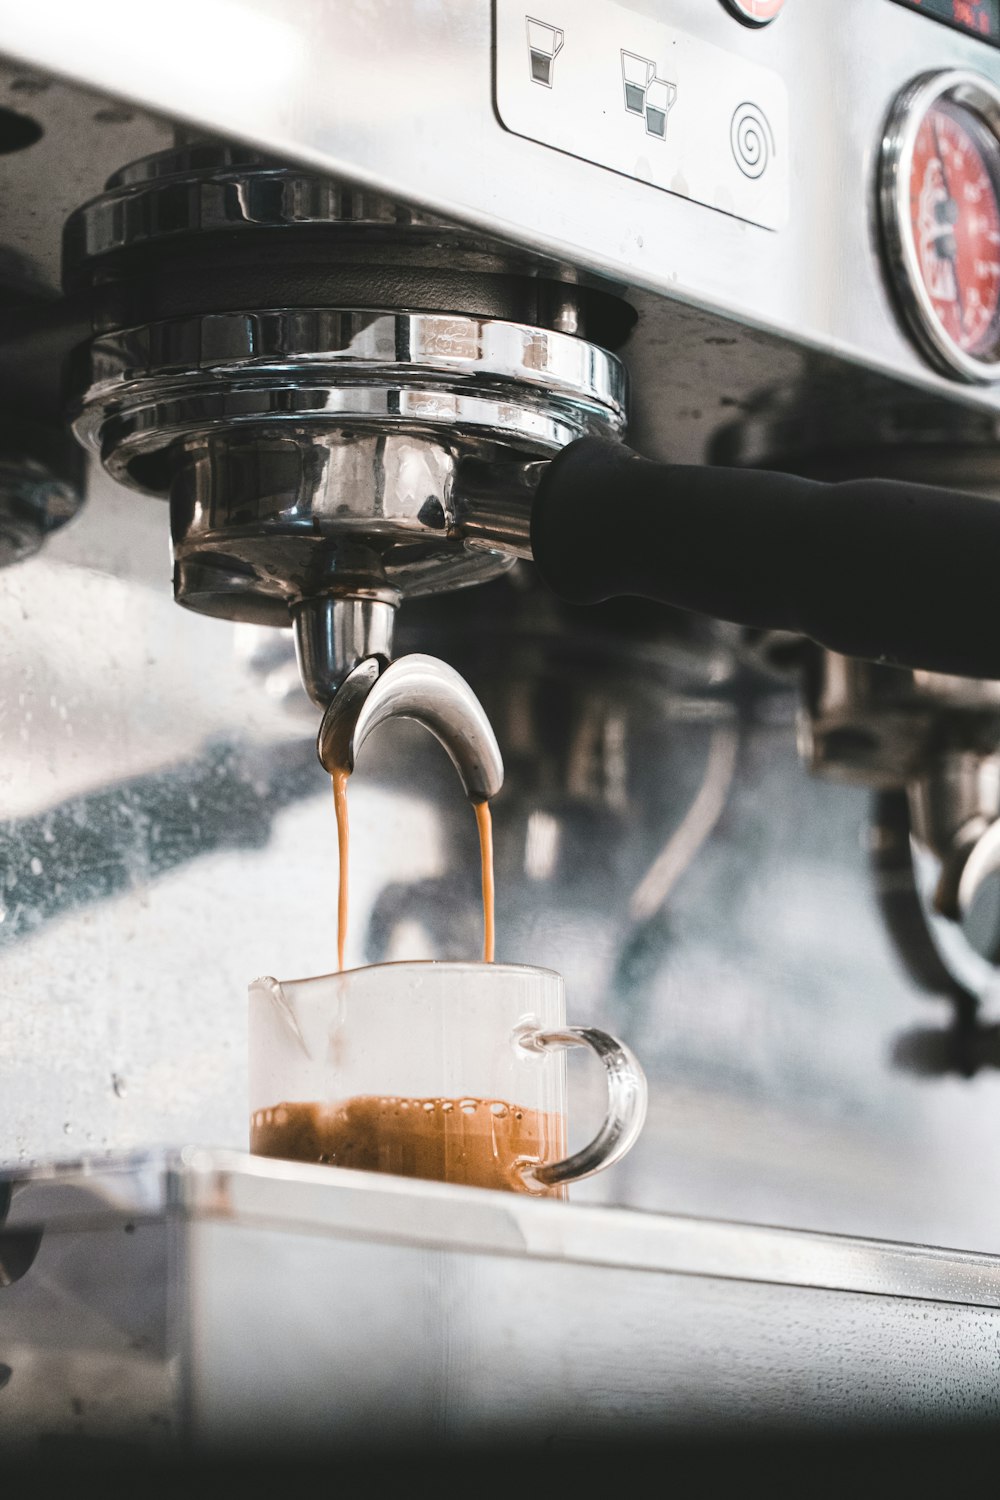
[[706, 830]]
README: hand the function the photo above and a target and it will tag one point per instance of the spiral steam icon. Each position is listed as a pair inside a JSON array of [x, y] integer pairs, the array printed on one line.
[[751, 139]]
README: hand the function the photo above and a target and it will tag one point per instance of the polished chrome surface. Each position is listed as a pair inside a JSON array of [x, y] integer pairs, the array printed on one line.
[[493, 501], [309, 451], [969, 963], [261, 520], [981, 95], [334, 635], [707, 352], [530, 386], [427, 691], [311, 454], [883, 726], [628, 1098], [207, 186], [817, 284], [934, 736], [953, 805], [982, 864]]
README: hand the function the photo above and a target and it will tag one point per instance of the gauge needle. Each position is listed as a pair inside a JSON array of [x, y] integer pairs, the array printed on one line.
[[953, 256]]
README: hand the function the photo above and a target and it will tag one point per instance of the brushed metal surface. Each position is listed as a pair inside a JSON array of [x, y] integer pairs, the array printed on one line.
[[296, 1197], [302, 83], [224, 1300], [445, 1347]]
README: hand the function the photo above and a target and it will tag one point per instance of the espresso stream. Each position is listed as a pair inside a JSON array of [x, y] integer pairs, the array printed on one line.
[[484, 823], [339, 779]]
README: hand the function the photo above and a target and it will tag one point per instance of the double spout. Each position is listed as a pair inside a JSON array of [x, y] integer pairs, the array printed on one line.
[[425, 690]]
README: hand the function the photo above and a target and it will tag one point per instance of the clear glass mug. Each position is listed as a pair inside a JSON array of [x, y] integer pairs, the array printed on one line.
[[449, 1071]]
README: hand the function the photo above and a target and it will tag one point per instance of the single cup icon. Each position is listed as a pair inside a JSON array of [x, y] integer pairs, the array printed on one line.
[[544, 45], [660, 97]]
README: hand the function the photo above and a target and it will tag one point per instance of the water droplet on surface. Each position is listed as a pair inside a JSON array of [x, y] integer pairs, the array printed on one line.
[[67, 1129]]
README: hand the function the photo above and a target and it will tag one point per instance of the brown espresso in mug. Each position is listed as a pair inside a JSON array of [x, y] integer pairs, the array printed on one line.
[[475, 1142]]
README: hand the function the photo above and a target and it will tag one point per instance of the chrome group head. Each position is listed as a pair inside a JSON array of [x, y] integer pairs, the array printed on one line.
[[307, 413]]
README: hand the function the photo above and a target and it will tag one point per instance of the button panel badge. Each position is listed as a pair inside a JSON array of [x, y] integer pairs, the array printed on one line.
[[630, 92]]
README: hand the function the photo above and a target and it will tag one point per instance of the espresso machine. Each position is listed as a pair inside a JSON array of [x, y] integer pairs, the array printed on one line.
[[641, 362]]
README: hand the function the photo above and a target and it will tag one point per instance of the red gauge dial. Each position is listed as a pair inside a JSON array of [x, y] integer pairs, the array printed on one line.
[[955, 220]]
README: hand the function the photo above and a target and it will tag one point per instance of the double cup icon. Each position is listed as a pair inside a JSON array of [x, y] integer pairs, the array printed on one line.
[[544, 45], [646, 95]]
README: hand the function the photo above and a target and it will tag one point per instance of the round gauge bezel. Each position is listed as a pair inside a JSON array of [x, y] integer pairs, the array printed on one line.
[[733, 7], [982, 99]]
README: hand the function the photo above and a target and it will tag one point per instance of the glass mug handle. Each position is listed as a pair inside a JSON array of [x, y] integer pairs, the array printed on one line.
[[627, 1100]]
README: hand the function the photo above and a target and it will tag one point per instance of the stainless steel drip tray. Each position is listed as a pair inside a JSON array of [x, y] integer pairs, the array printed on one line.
[[231, 1299]]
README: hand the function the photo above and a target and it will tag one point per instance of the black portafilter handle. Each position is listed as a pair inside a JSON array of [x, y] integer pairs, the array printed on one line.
[[875, 568]]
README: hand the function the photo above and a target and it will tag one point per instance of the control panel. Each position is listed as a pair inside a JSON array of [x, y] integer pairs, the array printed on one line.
[[636, 93], [631, 92]]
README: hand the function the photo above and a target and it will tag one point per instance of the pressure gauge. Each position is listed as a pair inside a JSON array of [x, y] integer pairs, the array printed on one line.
[[755, 12], [940, 210]]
